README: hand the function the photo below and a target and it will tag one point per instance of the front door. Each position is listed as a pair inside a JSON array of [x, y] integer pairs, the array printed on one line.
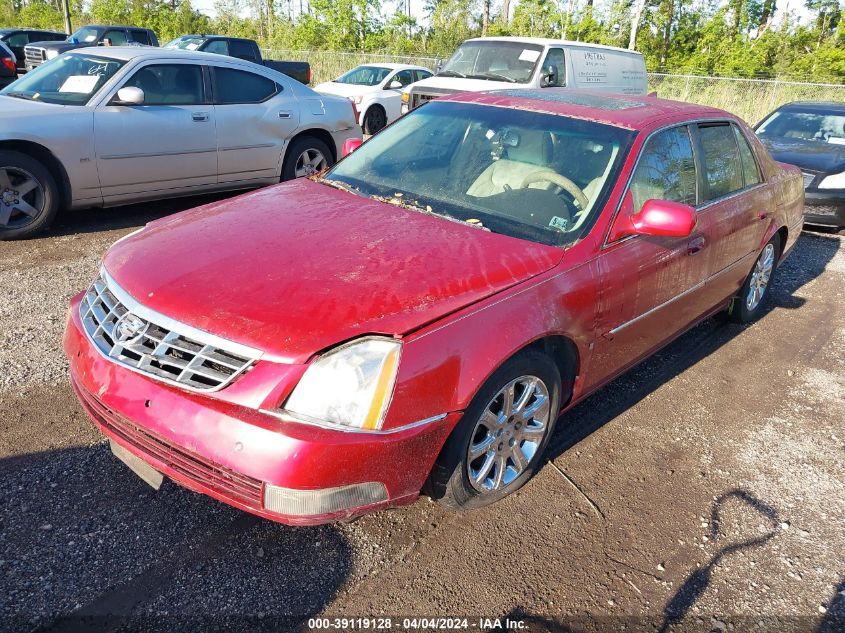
[[168, 144]]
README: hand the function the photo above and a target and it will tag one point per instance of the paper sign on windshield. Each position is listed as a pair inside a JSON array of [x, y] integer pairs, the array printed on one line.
[[82, 84], [527, 55]]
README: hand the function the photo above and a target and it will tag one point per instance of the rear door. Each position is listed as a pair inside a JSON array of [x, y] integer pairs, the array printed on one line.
[[255, 117], [244, 49], [140, 36], [167, 144]]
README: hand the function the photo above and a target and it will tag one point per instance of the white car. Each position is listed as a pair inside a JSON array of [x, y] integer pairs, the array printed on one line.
[[376, 90], [108, 126]]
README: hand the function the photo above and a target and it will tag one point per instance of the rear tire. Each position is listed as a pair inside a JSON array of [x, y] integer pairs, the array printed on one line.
[[747, 305], [29, 196], [374, 120], [306, 156], [495, 449]]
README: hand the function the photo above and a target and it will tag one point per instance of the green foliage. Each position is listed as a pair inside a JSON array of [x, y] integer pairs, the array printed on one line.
[[701, 37]]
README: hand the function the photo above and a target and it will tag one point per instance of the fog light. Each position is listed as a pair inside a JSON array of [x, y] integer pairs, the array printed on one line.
[[324, 501]]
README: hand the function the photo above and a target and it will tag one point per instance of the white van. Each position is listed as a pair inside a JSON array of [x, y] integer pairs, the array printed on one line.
[[493, 63]]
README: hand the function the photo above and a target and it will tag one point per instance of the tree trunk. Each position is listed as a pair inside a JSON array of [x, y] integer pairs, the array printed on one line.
[[768, 13], [485, 17], [637, 15], [506, 11], [667, 33]]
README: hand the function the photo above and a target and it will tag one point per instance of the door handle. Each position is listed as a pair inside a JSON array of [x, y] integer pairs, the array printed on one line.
[[695, 245], [284, 114], [200, 116]]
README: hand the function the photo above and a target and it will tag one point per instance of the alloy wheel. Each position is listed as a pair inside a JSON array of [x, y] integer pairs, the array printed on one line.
[[760, 277], [310, 162], [509, 433], [21, 197]]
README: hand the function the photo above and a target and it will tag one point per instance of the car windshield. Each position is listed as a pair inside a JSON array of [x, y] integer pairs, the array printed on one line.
[[85, 35], [186, 42], [809, 125], [513, 62], [364, 76], [520, 173], [70, 79]]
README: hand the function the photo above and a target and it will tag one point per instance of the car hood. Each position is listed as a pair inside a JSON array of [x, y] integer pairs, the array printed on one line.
[[344, 90], [810, 155], [14, 108], [299, 267], [57, 46]]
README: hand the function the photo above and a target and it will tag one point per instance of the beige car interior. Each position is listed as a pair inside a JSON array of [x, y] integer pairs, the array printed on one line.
[[539, 152]]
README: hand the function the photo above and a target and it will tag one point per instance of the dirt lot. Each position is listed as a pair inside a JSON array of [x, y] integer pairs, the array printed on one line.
[[707, 492]]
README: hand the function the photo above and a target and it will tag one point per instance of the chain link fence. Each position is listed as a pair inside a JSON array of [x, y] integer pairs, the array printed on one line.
[[750, 99]]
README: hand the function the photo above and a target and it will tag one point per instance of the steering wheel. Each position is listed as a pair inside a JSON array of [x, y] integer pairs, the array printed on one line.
[[546, 175]]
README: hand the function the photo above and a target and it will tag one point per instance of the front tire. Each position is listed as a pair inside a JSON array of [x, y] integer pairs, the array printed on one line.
[[499, 443], [29, 196], [374, 120], [747, 305], [306, 156]]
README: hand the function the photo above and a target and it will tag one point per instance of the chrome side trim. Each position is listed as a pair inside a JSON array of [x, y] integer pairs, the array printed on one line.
[[287, 416], [242, 147], [177, 326], [156, 154], [683, 294]]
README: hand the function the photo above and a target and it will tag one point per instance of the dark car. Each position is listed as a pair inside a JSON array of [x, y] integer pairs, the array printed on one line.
[[17, 39], [242, 48], [94, 35], [8, 71], [811, 136]]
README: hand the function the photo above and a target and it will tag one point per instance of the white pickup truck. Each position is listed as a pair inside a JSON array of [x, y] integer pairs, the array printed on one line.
[[492, 63]]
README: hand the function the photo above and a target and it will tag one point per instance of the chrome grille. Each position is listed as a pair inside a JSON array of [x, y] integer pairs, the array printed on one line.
[[149, 343], [34, 56]]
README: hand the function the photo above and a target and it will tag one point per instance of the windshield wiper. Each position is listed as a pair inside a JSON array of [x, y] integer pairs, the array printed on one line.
[[494, 76], [18, 95], [338, 184], [451, 73]]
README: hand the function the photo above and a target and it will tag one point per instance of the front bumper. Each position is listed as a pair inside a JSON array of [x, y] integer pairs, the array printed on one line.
[[234, 453], [825, 209]]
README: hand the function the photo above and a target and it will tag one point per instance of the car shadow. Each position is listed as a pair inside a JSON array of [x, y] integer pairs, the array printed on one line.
[[86, 545], [808, 260], [129, 216]]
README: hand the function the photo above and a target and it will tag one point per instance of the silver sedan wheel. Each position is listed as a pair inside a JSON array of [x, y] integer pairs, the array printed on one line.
[[760, 277], [21, 197], [310, 162], [509, 433]]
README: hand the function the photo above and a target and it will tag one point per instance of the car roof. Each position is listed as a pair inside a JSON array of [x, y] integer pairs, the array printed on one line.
[[546, 41], [391, 65], [126, 53], [835, 106], [634, 112], [27, 29]]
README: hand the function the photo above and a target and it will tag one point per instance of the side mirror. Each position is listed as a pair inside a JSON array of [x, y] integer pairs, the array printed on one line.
[[657, 218], [549, 78], [129, 96], [350, 145], [394, 85]]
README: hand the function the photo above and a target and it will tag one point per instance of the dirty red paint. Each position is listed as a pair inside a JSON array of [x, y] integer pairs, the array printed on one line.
[[299, 268]]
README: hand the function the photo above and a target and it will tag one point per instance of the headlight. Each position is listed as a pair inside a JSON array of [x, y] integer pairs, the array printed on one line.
[[406, 97], [349, 386], [52, 54], [836, 181]]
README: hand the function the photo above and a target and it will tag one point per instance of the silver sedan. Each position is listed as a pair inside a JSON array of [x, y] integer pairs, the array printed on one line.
[[109, 126]]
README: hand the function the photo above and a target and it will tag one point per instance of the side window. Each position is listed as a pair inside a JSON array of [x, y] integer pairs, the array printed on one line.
[[720, 160], [242, 50], [555, 58], [422, 74], [666, 169], [18, 39], [404, 77], [221, 47], [115, 37], [140, 36], [239, 86], [170, 84], [749, 164]]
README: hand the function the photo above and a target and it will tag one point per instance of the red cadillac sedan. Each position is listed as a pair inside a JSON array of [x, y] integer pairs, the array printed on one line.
[[418, 316]]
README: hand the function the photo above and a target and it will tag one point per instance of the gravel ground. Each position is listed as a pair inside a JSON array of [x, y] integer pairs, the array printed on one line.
[[702, 491]]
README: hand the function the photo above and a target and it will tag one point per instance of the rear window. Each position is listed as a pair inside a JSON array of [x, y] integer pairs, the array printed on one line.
[[239, 86], [141, 37], [242, 50]]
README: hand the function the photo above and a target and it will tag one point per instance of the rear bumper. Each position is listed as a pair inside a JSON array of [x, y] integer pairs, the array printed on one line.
[[825, 209], [236, 454]]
